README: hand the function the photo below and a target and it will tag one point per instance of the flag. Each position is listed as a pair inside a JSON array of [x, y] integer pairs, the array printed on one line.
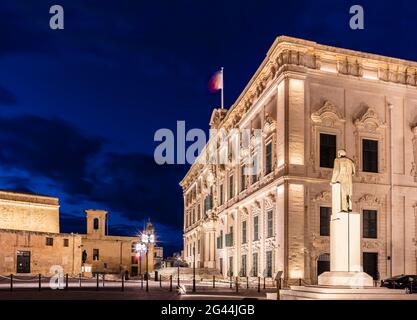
[[216, 81]]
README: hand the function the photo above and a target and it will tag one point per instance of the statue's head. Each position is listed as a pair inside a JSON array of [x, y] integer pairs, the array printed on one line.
[[341, 153]]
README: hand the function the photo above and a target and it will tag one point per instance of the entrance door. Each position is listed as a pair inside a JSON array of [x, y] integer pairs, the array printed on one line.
[[370, 264], [23, 262], [323, 263]]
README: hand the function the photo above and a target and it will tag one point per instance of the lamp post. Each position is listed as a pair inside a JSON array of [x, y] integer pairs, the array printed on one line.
[[178, 270], [148, 238], [140, 247]]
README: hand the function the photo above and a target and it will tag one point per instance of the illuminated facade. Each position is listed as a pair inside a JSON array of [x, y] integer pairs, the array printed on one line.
[[310, 100]]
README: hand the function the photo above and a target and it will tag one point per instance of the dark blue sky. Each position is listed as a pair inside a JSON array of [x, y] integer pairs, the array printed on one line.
[[79, 107]]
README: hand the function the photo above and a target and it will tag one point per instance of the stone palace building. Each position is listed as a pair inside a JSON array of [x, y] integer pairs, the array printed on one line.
[[309, 100]]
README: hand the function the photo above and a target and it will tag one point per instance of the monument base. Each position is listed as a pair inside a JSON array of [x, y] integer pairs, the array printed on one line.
[[355, 279]]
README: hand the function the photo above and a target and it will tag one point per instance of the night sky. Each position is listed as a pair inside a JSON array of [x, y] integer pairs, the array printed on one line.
[[79, 106]]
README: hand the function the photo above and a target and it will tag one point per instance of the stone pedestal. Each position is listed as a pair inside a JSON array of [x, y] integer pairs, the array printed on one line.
[[345, 248]]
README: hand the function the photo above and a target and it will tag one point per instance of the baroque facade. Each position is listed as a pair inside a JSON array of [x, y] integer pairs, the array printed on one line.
[[309, 100]]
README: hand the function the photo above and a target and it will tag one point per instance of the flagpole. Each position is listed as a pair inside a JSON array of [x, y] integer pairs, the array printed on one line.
[[222, 95]]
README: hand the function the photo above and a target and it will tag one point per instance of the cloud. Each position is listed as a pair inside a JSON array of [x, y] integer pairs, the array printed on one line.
[[49, 148]]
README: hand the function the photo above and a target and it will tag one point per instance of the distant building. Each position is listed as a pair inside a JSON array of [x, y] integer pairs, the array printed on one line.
[[31, 242], [158, 256]]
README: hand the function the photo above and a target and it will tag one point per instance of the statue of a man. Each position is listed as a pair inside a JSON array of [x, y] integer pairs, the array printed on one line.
[[343, 170]]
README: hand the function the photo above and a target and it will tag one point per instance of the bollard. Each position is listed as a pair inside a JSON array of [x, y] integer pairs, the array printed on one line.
[[214, 281], [278, 288], [259, 284], [170, 282], [160, 281], [80, 280], [237, 284], [123, 283], [11, 282], [66, 281], [299, 282], [264, 283], [40, 281], [103, 279], [247, 282], [97, 282], [141, 281]]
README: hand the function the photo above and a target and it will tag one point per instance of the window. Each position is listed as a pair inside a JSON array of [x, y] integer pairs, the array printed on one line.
[[268, 158], [229, 238], [231, 188], [198, 212], [95, 224], [221, 265], [325, 213], [370, 155], [269, 263], [220, 240], [221, 194], [255, 228], [242, 178], [193, 215], [96, 255], [243, 266], [198, 246], [255, 169], [270, 231], [66, 242], [255, 264], [327, 150], [230, 267], [370, 224], [244, 232], [49, 241]]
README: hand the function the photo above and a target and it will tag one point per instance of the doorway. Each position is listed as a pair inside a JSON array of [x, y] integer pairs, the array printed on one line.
[[323, 263], [370, 264], [23, 262]]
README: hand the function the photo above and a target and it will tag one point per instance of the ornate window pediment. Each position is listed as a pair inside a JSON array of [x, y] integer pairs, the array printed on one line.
[[369, 121], [369, 200], [328, 115], [324, 196], [269, 125]]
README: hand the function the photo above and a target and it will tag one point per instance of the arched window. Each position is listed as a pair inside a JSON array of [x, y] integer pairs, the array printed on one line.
[[95, 223]]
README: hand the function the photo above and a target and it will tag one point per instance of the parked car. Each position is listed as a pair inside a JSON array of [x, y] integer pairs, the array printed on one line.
[[403, 281]]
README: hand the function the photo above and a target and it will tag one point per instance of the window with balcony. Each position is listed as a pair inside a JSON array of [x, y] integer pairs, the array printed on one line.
[[256, 228], [369, 155], [244, 232], [255, 264], [269, 263], [231, 188], [270, 224], [221, 191], [268, 158], [242, 178], [243, 266], [229, 238], [327, 150]]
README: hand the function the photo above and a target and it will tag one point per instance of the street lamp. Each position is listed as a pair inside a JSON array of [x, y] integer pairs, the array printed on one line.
[[178, 269], [147, 238], [140, 247]]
